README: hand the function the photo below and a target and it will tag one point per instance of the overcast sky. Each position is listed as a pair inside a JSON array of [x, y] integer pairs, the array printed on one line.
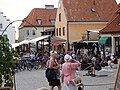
[[19, 9]]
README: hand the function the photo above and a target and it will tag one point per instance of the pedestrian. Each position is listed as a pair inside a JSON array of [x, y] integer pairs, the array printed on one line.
[[69, 72], [54, 72]]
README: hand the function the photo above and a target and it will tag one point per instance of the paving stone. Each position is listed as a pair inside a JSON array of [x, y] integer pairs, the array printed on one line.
[[32, 80]]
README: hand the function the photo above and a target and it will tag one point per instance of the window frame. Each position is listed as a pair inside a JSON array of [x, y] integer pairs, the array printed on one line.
[[59, 16], [52, 21], [59, 31], [27, 33], [39, 21], [33, 32], [63, 31], [1, 25]]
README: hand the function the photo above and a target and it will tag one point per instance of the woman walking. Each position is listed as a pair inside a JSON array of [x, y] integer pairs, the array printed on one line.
[[69, 72]]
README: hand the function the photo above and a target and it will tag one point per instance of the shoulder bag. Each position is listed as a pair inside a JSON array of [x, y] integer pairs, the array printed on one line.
[[76, 81]]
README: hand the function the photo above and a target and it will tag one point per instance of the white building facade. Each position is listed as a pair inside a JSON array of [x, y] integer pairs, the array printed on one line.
[[10, 31]]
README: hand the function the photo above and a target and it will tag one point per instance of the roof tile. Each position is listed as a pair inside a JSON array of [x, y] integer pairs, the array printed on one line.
[[40, 13], [114, 25], [81, 10]]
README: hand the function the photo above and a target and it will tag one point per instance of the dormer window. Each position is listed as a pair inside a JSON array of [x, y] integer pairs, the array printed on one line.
[[39, 21], [93, 10], [52, 21]]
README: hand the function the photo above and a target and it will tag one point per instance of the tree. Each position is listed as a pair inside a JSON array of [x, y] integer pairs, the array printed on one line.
[[7, 63]]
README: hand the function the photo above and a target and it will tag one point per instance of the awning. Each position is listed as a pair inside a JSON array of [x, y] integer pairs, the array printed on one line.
[[89, 41], [117, 43], [104, 40], [57, 39], [20, 43], [30, 41], [56, 43], [38, 39], [95, 31]]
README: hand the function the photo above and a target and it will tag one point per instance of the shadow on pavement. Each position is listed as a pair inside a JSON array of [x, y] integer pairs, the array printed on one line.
[[101, 75]]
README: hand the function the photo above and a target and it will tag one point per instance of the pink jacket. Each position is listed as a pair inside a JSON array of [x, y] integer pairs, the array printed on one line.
[[69, 71]]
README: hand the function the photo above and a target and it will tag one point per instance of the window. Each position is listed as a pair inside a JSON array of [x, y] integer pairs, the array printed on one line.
[[0, 26], [33, 32], [63, 31], [27, 33], [56, 32], [59, 31], [60, 17], [39, 21], [52, 22], [59, 6]]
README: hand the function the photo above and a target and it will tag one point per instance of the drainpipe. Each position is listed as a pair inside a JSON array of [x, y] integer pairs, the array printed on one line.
[[37, 46], [43, 45], [88, 33], [104, 52], [118, 47], [68, 44], [49, 40]]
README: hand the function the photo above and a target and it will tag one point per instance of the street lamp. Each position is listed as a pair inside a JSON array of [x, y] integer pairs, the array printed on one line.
[[16, 21]]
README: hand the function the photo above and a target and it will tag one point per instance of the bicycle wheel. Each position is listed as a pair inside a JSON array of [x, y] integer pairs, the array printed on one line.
[[29, 67]]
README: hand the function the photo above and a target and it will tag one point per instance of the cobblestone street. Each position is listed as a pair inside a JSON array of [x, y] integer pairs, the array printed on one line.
[[31, 80]]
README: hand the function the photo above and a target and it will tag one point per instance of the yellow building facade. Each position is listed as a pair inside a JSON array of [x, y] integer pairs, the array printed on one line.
[[74, 29], [78, 32]]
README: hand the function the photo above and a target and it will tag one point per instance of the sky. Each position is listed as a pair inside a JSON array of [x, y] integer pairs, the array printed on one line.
[[19, 9]]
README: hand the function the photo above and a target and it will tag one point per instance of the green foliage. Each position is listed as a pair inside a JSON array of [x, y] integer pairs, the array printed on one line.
[[6, 63]]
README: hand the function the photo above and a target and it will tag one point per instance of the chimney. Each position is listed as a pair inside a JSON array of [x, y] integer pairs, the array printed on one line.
[[49, 6]]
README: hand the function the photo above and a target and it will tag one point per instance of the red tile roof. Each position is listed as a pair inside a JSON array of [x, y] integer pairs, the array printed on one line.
[[40, 14], [113, 26], [83, 10]]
